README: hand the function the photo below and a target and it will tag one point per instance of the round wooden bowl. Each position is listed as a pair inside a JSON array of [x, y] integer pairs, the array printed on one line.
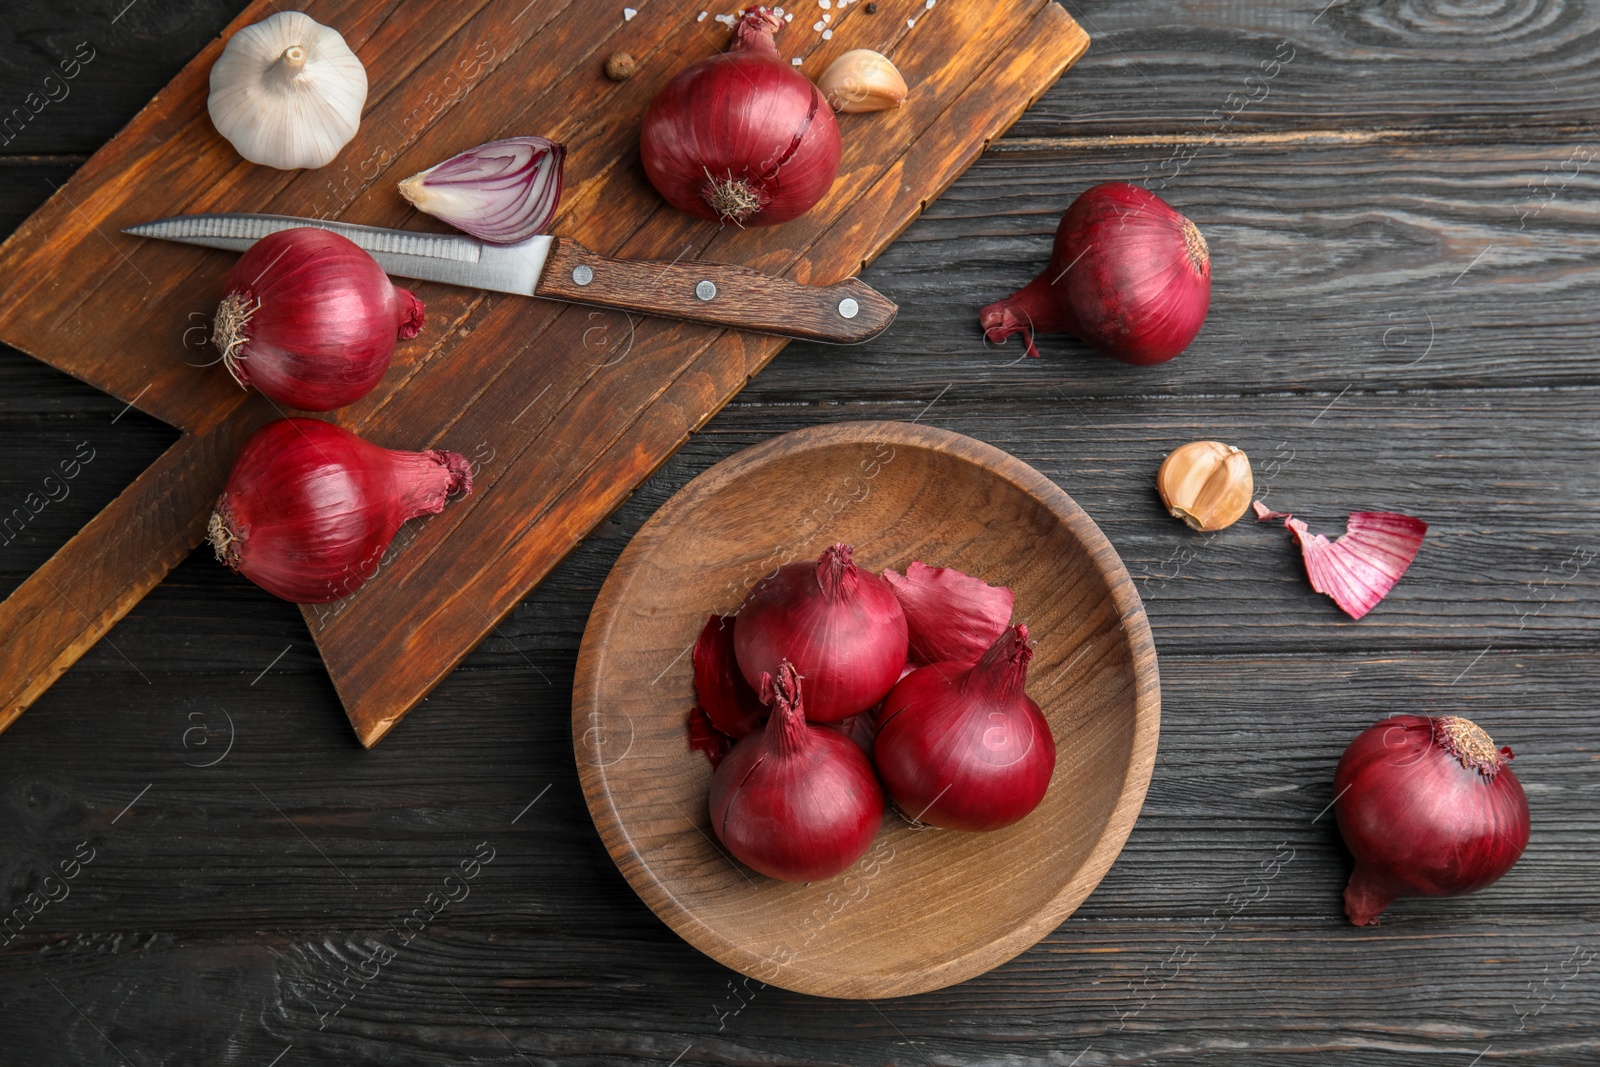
[[924, 908]]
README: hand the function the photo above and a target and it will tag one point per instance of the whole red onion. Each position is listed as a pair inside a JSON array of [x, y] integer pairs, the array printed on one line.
[[310, 509], [742, 136], [1128, 276], [841, 627], [961, 745], [794, 800], [311, 320], [1429, 808]]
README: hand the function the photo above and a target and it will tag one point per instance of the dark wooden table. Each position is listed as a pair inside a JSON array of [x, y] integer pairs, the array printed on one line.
[[1400, 197]]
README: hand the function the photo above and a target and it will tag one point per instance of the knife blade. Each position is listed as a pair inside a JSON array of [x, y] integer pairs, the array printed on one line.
[[559, 268]]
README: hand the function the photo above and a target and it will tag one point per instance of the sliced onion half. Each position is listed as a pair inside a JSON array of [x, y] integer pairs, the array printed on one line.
[[502, 192]]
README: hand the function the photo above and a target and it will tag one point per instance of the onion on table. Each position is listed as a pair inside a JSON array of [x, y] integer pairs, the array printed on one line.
[[742, 137], [310, 509], [311, 320], [1128, 276], [1428, 807]]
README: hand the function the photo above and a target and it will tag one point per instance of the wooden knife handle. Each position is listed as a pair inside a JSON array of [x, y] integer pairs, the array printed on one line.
[[68, 604], [744, 299]]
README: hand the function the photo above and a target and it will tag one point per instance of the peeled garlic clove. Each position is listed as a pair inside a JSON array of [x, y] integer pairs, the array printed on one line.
[[287, 92], [862, 80], [1207, 484]]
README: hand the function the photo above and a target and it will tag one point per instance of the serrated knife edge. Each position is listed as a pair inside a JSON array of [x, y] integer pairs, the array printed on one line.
[[251, 227]]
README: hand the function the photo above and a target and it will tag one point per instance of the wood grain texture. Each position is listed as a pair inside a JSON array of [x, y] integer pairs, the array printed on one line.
[[554, 945], [922, 910], [71, 601], [1353, 70], [737, 297], [1501, 475], [391, 643], [1385, 268], [210, 929], [1224, 791]]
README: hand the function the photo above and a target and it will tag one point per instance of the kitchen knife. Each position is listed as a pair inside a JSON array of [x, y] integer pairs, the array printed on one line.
[[558, 268]]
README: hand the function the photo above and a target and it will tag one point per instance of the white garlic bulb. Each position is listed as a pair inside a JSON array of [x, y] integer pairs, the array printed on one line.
[[287, 92]]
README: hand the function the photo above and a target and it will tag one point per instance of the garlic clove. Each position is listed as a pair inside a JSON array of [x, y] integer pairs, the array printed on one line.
[[1207, 484], [862, 80], [287, 92]]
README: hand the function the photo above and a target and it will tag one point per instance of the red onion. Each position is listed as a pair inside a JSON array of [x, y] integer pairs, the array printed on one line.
[[1128, 276], [504, 191], [794, 800], [950, 616], [742, 136], [962, 746], [310, 509], [839, 625], [1429, 808], [311, 320], [727, 699]]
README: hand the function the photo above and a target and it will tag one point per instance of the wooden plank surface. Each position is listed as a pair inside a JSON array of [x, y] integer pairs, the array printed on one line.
[[209, 929], [1346, 70], [511, 382]]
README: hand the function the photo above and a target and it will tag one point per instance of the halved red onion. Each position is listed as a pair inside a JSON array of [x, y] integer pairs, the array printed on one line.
[[502, 192], [1360, 568]]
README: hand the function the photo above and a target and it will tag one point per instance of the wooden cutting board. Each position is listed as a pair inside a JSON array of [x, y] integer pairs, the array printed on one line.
[[563, 409]]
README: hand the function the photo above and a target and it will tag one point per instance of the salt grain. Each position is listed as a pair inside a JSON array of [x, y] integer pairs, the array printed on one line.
[[827, 35], [628, 13]]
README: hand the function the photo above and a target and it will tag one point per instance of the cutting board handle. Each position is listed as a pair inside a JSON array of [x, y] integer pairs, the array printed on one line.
[[719, 294], [68, 604]]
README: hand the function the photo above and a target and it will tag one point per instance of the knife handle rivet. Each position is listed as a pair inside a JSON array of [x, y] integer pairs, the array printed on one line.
[[706, 290], [583, 275], [849, 308]]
